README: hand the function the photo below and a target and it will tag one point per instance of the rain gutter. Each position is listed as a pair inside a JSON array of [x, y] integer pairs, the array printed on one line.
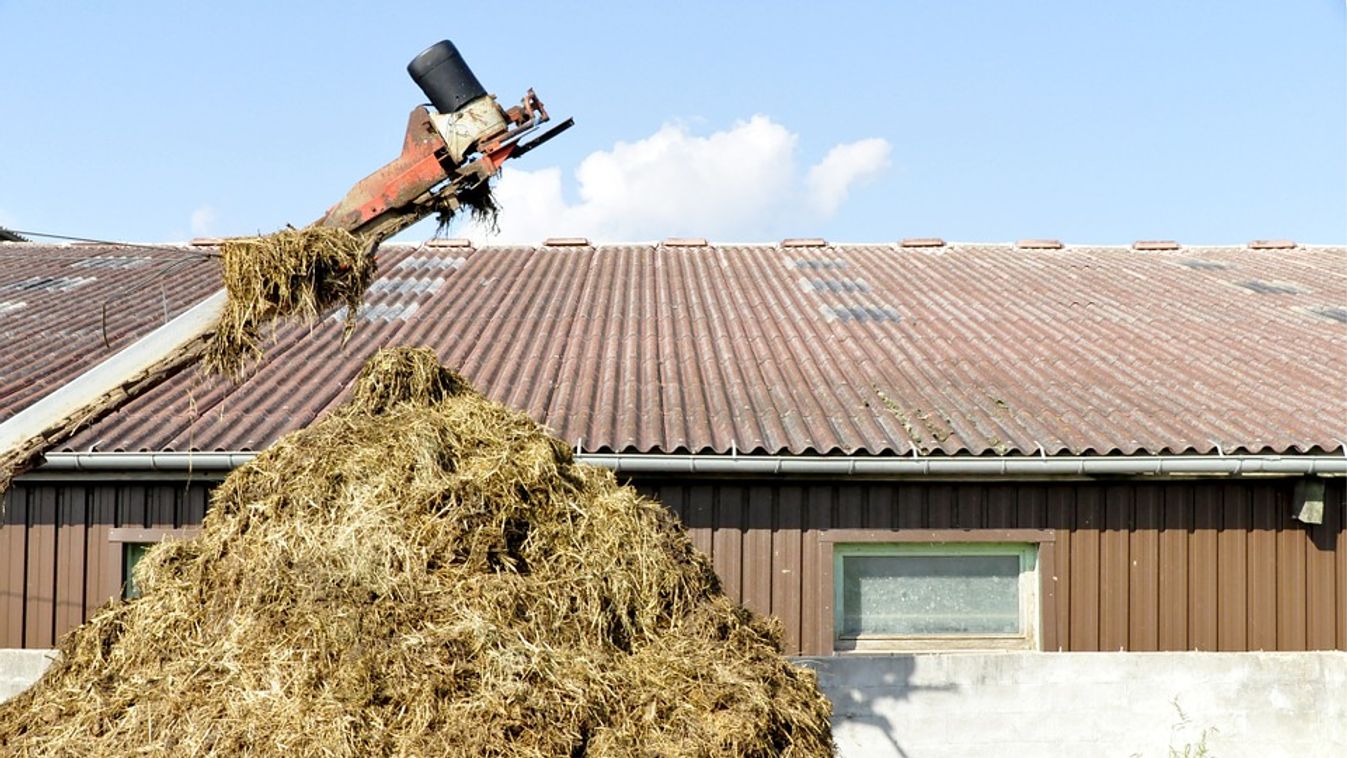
[[802, 465], [1028, 466]]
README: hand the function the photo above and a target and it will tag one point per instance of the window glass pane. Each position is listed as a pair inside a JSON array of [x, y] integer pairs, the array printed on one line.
[[131, 555], [899, 595]]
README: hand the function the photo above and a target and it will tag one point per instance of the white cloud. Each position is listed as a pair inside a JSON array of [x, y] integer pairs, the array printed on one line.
[[203, 221], [737, 184], [846, 165]]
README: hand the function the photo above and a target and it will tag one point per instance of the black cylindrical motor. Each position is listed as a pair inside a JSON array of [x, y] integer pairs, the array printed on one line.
[[443, 75]]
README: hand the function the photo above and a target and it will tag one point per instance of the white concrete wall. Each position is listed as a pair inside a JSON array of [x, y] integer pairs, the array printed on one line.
[[1088, 704], [1052, 704], [20, 668]]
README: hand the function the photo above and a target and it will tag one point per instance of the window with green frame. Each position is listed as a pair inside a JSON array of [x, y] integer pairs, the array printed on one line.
[[931, 596], [132, 552]]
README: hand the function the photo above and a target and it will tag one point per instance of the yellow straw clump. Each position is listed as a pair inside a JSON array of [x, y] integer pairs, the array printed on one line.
[[291, 273]]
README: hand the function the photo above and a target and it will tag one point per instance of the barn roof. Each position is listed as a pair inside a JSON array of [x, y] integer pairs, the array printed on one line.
[[792, 348], [65, 308]]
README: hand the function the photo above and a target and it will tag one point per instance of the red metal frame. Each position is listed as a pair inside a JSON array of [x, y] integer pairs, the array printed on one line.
[[410, 175]]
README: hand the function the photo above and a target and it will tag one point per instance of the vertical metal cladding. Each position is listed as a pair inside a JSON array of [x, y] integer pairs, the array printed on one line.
[[1196, 565], [1140, 566], [58, 563]]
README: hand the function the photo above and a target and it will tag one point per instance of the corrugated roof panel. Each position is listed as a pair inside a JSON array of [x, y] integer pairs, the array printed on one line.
[[56, 323], [994, 350]]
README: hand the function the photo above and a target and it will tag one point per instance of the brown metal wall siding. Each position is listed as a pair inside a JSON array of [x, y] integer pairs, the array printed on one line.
[[13, 540], [787, 574], [1139, 566], [1336, 500], [817, 516], [1232, 570], [1114, 569], [39, 617], [1083, 632], [71, 553], [1172, 610], [1061, 515], [1291, 584], [58, 566], [103, 564], [1143, 629], [1321, 595], [761, 512], [1262, 566]]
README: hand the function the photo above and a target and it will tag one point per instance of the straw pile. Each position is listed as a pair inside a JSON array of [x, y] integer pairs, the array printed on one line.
[[293, 272], [424, 572]]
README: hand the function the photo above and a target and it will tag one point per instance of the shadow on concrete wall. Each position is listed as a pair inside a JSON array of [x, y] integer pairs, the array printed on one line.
[[865, 691]]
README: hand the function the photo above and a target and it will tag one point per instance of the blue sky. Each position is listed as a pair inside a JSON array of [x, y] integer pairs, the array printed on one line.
[[1090, 122]]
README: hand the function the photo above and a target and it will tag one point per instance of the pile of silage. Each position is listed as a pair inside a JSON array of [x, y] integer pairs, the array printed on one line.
[[293, 272], [424, 572]]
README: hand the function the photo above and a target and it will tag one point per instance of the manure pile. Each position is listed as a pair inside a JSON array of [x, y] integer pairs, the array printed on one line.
[[424, 572]]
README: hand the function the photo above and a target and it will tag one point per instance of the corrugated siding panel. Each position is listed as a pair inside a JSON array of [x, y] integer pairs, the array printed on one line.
[[1321, 592], [1139, 566], [58, 565], [1232, 566], [761, 516], [818, 503], [1174, 547], [1114, 569], [1085, 608], [727, 540], [1337, 500], [70, 557], [787, 567], [1291, 633], [1061, 515], [1202, 579], [1263, 589], [103, 566], [1144, 571], [39, 613], [13, 540]]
